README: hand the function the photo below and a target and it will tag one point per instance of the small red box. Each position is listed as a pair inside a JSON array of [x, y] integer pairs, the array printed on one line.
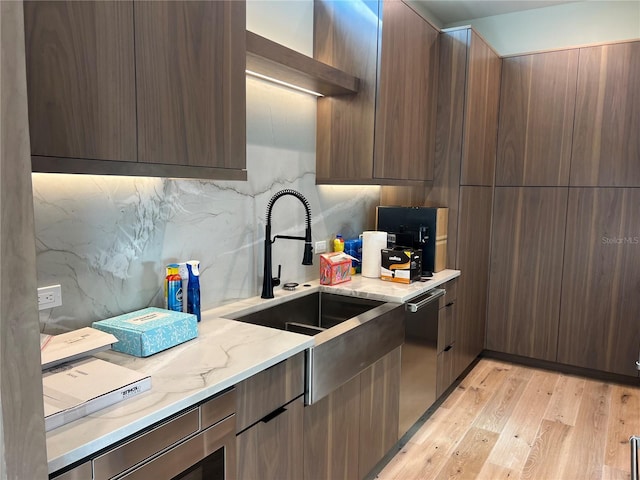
[[334, 268]]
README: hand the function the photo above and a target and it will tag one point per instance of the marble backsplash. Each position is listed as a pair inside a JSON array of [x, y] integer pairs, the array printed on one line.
[[106, 240]]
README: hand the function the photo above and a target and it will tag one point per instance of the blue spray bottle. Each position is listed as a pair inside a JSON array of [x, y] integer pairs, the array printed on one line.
[[193, 288]]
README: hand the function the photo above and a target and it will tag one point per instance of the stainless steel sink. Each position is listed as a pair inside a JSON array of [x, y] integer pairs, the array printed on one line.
[[350, 334], [311, 314]]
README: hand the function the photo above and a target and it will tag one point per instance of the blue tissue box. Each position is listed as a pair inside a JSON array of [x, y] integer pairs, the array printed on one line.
[[150, 330]]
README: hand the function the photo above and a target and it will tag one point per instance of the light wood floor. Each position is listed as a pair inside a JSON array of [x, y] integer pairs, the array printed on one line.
[[507, 421]]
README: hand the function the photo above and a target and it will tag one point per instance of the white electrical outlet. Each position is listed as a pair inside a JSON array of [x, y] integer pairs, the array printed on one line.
[[321, 246], [49, 297]]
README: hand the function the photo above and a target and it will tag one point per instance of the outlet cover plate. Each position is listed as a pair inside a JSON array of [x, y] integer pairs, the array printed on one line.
[[320, 247], [49, 297]]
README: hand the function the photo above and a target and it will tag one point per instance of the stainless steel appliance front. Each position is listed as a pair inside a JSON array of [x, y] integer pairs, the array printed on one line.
[[197, 444], [419, 358]]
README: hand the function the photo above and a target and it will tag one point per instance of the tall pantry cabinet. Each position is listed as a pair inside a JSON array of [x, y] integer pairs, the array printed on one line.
[[601, 280], [532, 173], [564, 254], [526, 270], [599, 326], [469, 85]]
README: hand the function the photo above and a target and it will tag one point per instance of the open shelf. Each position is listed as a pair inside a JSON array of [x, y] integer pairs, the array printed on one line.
[[276, 61]]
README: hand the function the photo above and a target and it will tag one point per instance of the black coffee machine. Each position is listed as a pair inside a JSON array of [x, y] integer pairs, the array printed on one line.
[[412, 227]]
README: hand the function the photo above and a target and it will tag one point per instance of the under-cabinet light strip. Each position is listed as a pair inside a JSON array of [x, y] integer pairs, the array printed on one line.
[[284, 84]]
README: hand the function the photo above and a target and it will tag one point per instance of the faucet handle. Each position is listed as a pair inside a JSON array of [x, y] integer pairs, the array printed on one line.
[[276, 280]]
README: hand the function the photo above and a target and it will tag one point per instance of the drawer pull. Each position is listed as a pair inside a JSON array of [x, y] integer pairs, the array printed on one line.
[[447, 348], [274, 414]]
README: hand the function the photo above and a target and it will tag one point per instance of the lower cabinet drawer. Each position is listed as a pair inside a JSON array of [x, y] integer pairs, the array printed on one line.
[[268, 390], [445, 370], [451, 294], [273, 447], [446, 327]]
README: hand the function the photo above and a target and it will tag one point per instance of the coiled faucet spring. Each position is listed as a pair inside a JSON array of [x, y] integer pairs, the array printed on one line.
[[307, 259]]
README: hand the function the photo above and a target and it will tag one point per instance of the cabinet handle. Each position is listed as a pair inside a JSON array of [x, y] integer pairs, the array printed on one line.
[[435, 293], [449, 304], [277, 412], [447, 348]]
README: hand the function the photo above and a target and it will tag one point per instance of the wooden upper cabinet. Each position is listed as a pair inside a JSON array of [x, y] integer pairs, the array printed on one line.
[[467, 122], [384, 134], [137, 88], [606, 142], [527, 245], [601, 286], [81, 79], [452, 84], [345, 36], [190, 61], [406, 107], [467, 113], [481, 113], [536, 119]]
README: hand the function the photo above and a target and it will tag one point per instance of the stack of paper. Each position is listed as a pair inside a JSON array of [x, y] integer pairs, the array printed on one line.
[[74, 390], [75, 384], [57, 349]]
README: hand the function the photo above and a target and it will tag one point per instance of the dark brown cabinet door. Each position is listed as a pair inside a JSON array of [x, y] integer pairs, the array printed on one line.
[[526, 270], [473, 261], [467, 123], [331, 434], [599, 322], [606, 143], [345, 36], [272, 448], [81, 80], [537, 99], [481, 113], [350, 430], [449, 127], [190, 62], [469, 80], [384, 134], [406, 106], [379, 410]]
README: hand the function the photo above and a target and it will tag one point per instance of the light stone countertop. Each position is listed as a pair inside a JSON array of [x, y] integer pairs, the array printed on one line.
[[376, 289], [225, 353], [358, 286]]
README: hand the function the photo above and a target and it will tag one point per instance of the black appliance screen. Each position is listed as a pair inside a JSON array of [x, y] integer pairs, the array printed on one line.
[[413, 227]]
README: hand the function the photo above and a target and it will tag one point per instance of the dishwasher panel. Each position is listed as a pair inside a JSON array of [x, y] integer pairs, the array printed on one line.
[[419, 359]]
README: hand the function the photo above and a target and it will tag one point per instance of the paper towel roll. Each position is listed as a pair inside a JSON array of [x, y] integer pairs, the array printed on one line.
[[372, 243]]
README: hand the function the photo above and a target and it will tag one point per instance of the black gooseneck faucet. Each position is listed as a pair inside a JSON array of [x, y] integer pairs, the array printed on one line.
[[268, 281]]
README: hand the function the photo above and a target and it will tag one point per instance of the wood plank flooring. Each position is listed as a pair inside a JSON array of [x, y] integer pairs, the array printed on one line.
[[508, 421]]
